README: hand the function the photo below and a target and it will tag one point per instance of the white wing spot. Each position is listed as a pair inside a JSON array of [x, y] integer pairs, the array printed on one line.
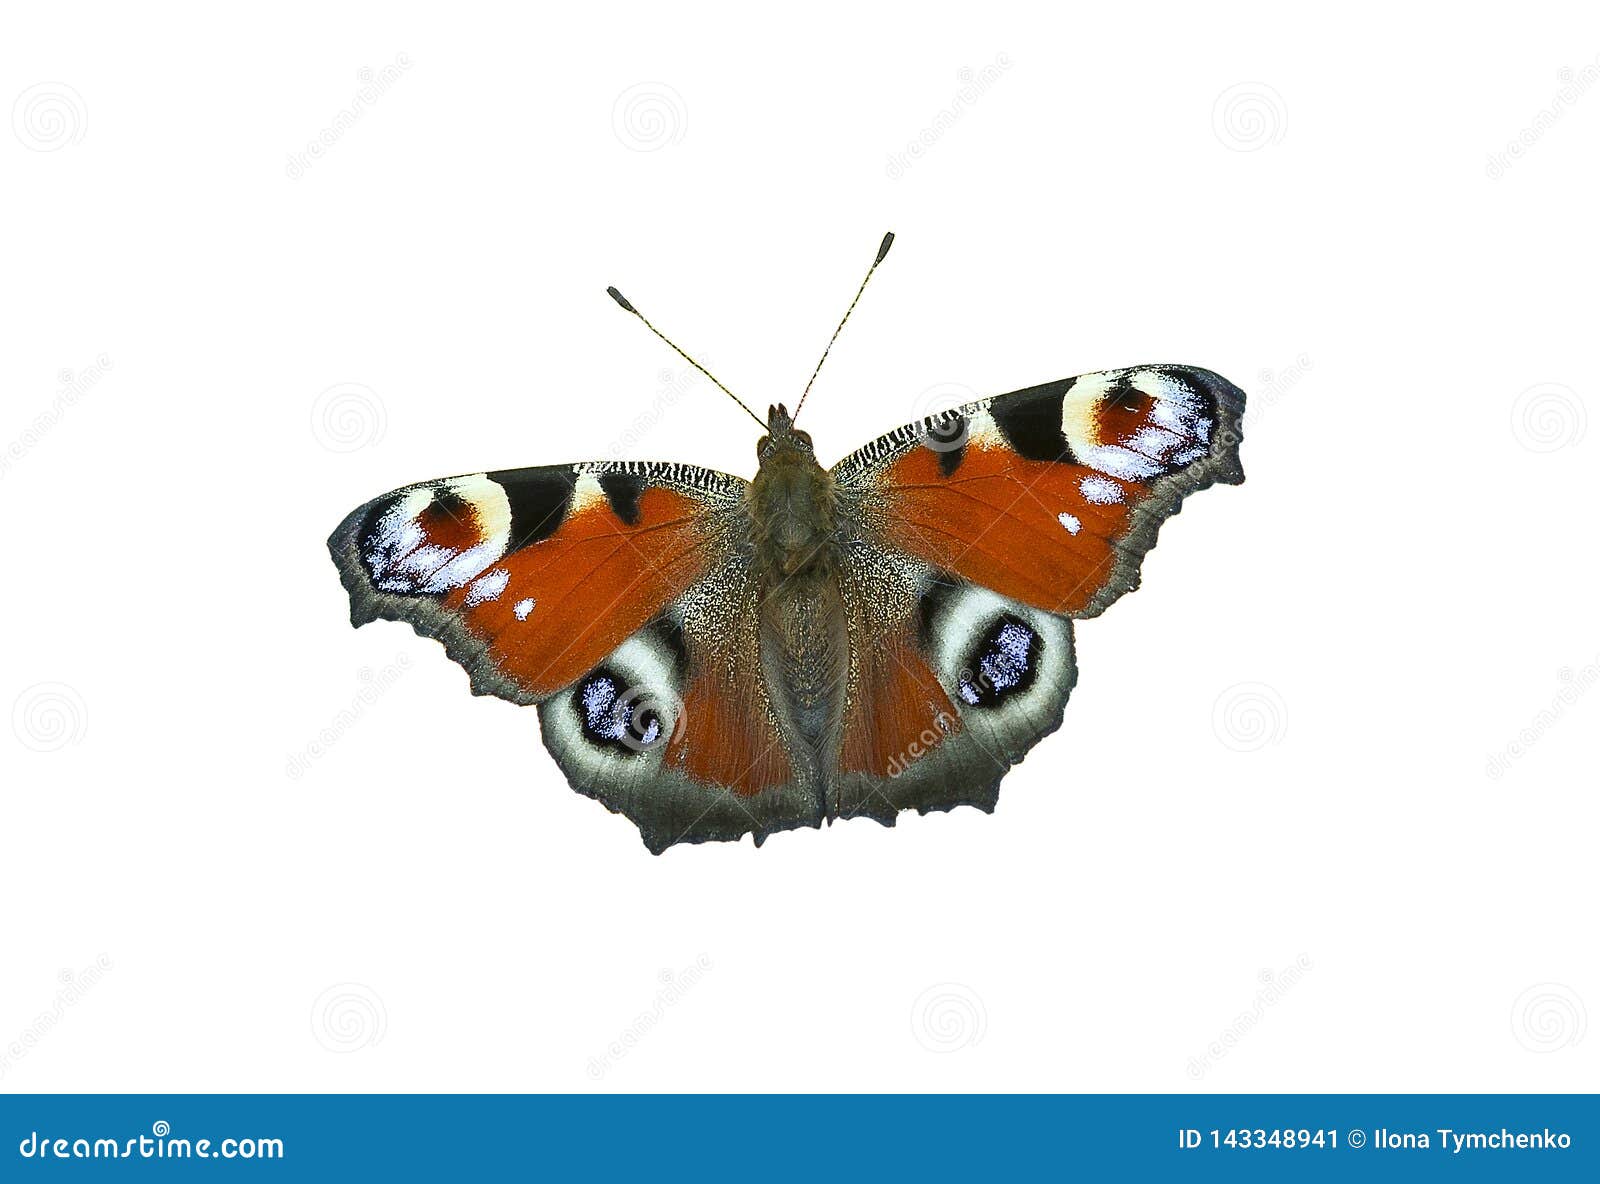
[[1072, 524], [1100, 490], [487, 587], [522, 608]]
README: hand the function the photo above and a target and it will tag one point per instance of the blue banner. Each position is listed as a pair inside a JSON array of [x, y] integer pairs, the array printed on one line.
[[761, 1138]]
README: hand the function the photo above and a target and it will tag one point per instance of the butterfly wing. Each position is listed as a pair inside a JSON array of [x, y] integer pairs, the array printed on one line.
[[619, 598], [977, 536]]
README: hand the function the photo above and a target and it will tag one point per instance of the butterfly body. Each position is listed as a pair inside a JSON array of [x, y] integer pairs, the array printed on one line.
[[804, 641], [713, 657]]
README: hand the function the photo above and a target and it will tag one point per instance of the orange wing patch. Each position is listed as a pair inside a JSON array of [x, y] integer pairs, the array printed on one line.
[[897, 713], [1051, 495], [728, 738], [1041, 532], [525, 607]]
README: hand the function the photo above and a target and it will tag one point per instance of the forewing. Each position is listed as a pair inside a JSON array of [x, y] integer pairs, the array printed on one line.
[[1052, 495]]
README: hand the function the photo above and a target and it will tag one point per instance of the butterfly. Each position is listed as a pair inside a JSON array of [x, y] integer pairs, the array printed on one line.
[[714, 657]]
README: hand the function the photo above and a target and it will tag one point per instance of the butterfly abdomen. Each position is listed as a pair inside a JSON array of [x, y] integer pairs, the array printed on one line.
[[804, 640]]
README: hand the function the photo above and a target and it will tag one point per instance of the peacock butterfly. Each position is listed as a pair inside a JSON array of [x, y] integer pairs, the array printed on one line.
[[714, 657]]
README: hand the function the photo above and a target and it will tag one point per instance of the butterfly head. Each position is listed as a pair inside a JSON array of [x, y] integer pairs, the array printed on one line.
[[782, 436]]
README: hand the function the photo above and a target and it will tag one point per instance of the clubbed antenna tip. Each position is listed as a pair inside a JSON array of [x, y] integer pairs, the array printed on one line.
[[883, 249], [622, 303]]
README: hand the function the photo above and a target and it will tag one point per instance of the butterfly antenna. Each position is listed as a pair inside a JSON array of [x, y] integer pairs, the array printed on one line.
[[622, 301], [883, 249]]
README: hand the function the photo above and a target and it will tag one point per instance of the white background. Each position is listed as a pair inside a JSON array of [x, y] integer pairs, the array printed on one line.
[[1275, 823]]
